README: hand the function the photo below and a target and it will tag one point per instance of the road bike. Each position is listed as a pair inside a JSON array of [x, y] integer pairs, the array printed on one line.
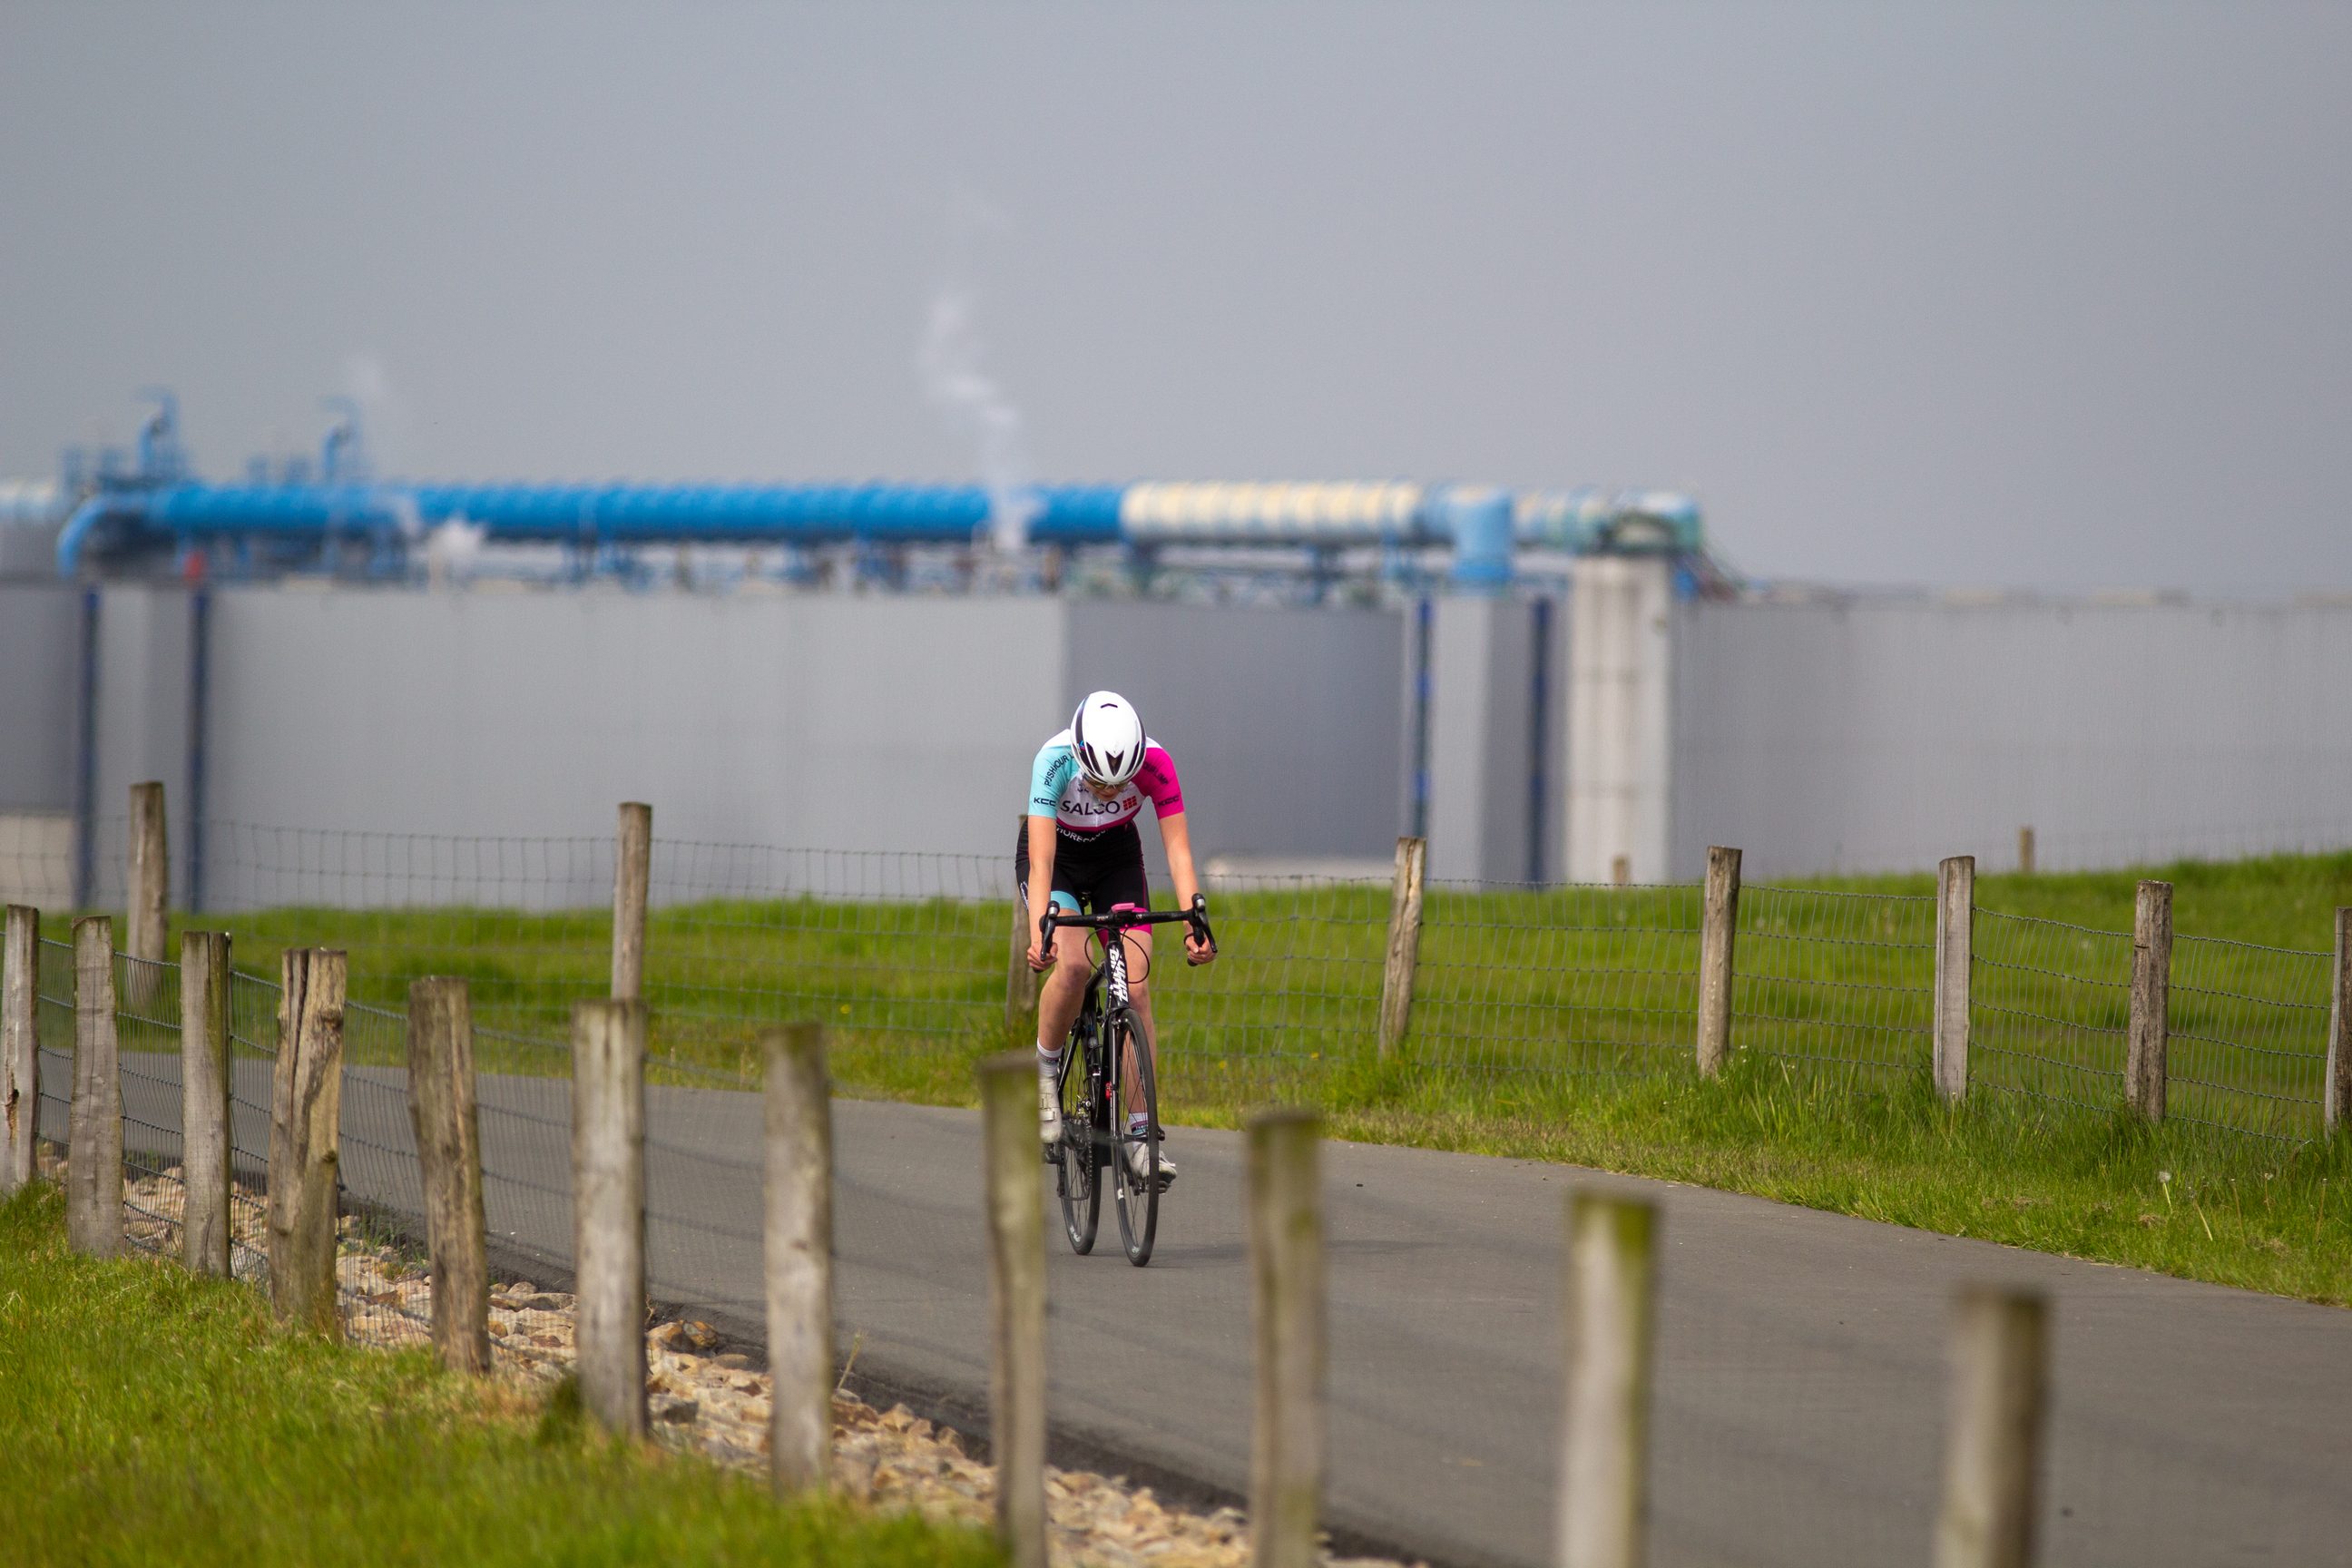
[[1103, 1076]]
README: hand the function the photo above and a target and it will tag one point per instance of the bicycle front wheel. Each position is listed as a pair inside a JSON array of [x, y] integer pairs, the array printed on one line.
[[1136, 1150], [1078, 1157]]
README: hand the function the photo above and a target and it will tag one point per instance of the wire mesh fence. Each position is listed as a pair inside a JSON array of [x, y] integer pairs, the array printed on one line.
[[1298, 984], [2049, 1003], [2249, 1037], [1844, 981], [1576, 980], [378, 1245], [884, 946], [909, 951], [901, 954]]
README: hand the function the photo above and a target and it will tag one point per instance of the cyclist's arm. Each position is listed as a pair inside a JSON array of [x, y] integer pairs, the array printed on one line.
[[1176, 837], [1041, 882]]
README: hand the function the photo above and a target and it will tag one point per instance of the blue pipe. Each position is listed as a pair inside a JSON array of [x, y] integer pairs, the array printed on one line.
[[86, 518], [1481, 524], [632, 514]]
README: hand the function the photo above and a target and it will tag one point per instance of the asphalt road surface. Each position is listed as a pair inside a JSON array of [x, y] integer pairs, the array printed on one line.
[[1800, 1383]]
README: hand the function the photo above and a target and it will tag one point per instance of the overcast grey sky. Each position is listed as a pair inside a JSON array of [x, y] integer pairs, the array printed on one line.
[[2049, 295]]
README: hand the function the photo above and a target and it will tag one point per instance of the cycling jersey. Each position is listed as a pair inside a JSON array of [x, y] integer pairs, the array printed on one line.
[[1096, 871], [1057, 788]]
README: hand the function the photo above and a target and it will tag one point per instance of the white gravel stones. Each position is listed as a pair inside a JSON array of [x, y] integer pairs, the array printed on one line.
[[892, 1460]]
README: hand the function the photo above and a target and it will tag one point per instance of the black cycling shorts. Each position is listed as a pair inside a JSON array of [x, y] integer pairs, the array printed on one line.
[[1098, 869]]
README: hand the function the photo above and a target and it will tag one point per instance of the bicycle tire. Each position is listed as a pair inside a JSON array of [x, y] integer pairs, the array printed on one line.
[[1138, 1201], [1078, 1177]]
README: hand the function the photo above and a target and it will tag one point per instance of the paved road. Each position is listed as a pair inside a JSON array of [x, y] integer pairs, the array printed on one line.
[[1800, 1381]]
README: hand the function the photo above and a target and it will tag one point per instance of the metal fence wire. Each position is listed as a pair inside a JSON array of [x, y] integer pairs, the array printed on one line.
[[904, 954], [2049, 1003], [1844, 981], [1579, 980], [377, 1248], [2248, 1052]]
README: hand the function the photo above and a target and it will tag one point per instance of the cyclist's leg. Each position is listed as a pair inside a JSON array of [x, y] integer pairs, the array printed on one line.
[[1064, 988], [1065, 984]]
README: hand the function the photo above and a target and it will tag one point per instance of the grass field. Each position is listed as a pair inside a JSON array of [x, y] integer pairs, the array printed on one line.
[[152, 1417], [1555, 1023]]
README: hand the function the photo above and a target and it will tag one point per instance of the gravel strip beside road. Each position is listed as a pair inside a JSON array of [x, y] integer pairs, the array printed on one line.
[[718, 1406]]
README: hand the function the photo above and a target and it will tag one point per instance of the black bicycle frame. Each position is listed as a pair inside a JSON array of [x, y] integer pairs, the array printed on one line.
[[1112, 972]]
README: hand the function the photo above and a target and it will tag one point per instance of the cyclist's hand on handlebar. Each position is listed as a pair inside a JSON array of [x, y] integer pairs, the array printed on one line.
[[1040, 952], [1199, 944]]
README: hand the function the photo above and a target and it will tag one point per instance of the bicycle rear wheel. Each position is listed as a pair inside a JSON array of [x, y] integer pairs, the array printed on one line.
[[1077, 1158], [1138, 1197]]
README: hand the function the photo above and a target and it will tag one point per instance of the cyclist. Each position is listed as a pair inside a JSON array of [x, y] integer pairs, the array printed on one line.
[[1079, 842]]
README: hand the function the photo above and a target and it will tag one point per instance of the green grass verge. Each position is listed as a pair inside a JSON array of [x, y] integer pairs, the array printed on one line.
[[1553, 1024], [151, 1416]]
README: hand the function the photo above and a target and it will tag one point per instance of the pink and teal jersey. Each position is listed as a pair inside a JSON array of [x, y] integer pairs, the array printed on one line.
[[1058, 789]]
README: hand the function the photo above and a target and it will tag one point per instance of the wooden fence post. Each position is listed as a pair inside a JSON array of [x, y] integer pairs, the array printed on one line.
[[206, 1229], [1992, 1451], [1404, 943], [632, 859], [1604, 1447], [150, 894], [799, 1257], [608, 1208], [1019, 980], [2025, 851], [1285, 1244], [306, 1111], [94, 1152], [2335, 1107], [1016, 1294], [2151, 999], [1956, 910], [20, 1046], [447, 1119], [1718, 931]]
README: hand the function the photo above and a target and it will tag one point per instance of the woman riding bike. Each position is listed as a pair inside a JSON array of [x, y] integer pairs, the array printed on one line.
[[1079, 842]]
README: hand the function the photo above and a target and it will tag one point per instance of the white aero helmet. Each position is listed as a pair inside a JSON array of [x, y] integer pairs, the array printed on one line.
[[1107, 737]]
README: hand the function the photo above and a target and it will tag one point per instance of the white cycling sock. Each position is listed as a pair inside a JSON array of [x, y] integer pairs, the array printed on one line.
[[1136, 1119], [1049, 1062]]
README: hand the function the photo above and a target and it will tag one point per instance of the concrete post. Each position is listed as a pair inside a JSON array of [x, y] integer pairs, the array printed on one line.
[[608, 1209], [1604, 1447], [2151, 999], [206, 1229], [1016, 1294], [94, 1152], [799, 1258], [446, 1121], [1619, 717], [1718, 932], [1285, 1244], [1955, 904], [306, 1107], [20, 1046], [1992, 1454]]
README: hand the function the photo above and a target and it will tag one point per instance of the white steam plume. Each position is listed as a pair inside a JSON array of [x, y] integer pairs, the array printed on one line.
[[384, 428], [383, 413], [977, 409]]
